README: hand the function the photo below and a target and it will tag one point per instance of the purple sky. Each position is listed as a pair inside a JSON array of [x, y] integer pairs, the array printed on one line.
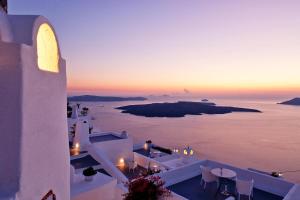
[[164, 46]]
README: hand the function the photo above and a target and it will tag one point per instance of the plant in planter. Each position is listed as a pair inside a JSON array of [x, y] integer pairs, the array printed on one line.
[[150, 188], [89, 173]]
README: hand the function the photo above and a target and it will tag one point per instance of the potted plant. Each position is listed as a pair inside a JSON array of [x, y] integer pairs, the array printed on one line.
[[89, 173], [150, 188]]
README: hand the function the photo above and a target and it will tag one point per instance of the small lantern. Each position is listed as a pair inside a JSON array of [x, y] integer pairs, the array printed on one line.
[[188, 151], [121, 162], [147, 145], [185, 152], [155, 168], [176, 150], [77, 145]]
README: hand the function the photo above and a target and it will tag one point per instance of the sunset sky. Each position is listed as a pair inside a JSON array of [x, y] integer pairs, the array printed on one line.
[[221, 47]]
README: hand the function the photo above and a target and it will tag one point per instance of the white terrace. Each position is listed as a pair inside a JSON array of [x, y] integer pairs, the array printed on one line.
[[111, 154]]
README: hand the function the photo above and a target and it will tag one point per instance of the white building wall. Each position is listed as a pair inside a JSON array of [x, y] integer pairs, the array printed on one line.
[[10, 118], [34, 153], [98, 192], [116, 149]]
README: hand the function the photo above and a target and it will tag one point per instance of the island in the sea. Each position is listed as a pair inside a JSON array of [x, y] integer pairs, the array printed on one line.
[[180, 109], [293, 102], [93, 98]]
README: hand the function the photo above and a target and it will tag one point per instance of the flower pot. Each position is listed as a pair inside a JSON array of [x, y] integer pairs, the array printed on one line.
[[89, 178]]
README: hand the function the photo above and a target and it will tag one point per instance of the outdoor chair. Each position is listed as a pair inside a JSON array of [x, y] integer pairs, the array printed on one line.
[[244, 188], [207, 176]]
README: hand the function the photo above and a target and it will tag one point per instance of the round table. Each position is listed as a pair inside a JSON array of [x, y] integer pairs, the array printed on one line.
[[224, 173]]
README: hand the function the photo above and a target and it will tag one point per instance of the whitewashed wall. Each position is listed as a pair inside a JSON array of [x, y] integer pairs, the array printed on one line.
[[34, 153], [116, 149]]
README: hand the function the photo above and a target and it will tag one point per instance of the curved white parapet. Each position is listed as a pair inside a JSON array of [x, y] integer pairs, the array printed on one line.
[[294, 193], [105, 162], [102, 187]]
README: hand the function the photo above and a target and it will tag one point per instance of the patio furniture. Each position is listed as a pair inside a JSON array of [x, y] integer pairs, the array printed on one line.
[[207, 176], [244, 188], [223, 174], [132, 165]]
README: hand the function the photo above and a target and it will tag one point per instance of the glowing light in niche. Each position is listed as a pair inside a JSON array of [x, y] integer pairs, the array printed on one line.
[[122, 161], [47, 49]]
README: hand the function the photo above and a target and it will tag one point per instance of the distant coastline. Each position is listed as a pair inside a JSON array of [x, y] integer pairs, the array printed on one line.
[[180, 109], [93, 98], [293, 102]]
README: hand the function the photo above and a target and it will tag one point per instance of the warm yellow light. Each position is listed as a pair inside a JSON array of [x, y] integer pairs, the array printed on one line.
[[121, 161], [185, 152], [145, 146], [191, 152], [77, 145], [47, 49]]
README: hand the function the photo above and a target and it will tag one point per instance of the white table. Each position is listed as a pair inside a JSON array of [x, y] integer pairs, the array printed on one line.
[[224, 173]]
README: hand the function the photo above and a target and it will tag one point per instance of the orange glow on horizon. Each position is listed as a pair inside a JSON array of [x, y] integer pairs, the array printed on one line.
[[209, 89]]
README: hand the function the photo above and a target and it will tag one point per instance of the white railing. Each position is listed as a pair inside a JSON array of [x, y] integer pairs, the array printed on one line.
[[261, 181], [138, 146], [145, 161], [180, 174], [107, 165], [167, 157]]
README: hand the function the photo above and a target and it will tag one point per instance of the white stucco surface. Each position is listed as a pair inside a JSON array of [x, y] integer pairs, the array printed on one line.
[[82, 134], [116, 149], [294, 193], [34, 153], [100, 156]]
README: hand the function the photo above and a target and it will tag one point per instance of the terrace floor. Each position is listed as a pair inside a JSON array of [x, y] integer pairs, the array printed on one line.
[[192, 190], [147, 153], [143, 152], [103, 172], [138, 171], [84, 162], [103, 138]]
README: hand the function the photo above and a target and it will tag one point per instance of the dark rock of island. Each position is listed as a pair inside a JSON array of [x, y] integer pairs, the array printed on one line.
[[293, 102], [180, 109], [92, 98]]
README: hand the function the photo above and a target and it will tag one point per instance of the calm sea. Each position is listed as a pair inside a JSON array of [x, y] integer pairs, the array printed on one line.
[[268, 141]]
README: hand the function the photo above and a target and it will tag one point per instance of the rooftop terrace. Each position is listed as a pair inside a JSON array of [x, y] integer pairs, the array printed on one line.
[[103, 138], [84, 162], [192, 190], [155, 153]]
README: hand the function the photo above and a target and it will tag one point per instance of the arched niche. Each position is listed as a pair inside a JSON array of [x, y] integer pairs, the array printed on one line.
[[47, 49]]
